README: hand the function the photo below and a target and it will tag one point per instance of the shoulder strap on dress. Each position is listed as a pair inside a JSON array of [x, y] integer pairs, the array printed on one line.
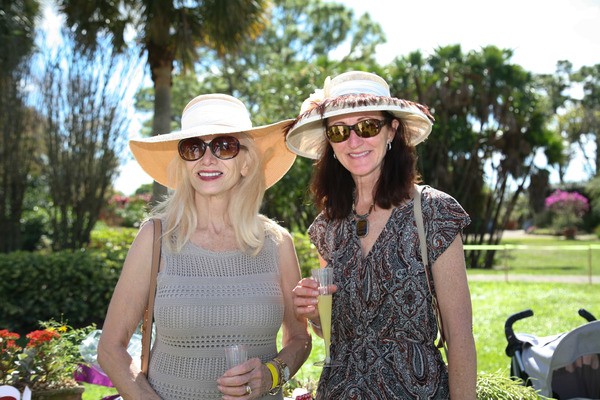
[[149, 312], [421, 229], [423, 244]]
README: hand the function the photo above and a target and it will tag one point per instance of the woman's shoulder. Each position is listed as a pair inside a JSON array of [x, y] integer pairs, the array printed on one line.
[[282, 234], [433, 193], [322, 219], [320, 224], [328, 235], [439, 205], [275, 232], [146, 231], [437, 198]]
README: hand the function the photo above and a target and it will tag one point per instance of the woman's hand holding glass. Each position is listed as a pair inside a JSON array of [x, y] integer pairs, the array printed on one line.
[[318, 291], [248, 380], [305, 300]]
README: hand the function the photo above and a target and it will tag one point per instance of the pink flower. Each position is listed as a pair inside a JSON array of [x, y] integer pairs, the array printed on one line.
[[568, 203]]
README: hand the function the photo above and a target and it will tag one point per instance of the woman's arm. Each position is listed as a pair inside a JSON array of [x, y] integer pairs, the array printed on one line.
[[452, 289], [122, 318]]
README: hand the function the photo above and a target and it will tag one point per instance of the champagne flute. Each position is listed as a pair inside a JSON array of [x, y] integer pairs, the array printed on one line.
[[324, 276]]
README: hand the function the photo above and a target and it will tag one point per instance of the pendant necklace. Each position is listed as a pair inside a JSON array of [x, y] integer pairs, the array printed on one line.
[[362, 223]]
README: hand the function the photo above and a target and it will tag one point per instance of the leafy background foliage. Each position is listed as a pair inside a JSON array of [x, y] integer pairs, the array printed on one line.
[[75, 286]]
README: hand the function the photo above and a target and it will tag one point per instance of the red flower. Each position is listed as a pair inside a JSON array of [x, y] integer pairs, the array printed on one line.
[[7, 341], [6, 335], [38, 337], [11, 345]]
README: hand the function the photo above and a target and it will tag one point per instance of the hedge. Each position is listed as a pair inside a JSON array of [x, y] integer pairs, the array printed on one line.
[[72, 286]]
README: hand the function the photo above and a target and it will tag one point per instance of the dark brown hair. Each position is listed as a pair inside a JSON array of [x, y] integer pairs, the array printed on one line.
[[333, 186]]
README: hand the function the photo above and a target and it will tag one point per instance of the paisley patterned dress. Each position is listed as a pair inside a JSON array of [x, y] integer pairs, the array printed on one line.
[[383, 328]]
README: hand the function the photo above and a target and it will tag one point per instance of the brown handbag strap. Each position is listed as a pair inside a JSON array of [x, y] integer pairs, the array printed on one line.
[[149, 312], [423, 242]]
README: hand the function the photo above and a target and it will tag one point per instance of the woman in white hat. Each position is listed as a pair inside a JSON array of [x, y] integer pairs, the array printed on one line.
[[227, 272], [383, 325]]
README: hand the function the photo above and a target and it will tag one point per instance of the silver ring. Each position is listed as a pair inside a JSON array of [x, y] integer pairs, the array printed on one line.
[[248, 390]]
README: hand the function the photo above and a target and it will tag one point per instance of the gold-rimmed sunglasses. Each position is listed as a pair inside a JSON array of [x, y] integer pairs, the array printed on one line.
[[364, 129]]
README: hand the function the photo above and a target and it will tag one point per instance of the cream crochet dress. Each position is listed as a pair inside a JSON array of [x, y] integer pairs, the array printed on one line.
[[206, 300]]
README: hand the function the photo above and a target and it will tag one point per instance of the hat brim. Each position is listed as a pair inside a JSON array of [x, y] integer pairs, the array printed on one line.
[[307, 136], [154, 154]]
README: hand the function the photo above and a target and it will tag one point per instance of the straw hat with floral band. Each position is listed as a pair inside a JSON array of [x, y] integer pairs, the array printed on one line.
[[350, 92], [214, 114]]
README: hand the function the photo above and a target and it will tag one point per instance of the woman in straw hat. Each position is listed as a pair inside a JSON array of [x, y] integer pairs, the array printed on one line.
[[383, 324], [227, 272]]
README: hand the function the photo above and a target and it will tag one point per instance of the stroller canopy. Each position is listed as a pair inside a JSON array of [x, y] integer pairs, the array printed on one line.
[[565, 366]]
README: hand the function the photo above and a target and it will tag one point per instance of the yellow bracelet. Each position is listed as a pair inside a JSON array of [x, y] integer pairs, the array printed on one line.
[[274, 374]]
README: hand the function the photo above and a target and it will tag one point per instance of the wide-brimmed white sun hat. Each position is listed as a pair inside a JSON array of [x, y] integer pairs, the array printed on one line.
[[351, 92], [214, 114]]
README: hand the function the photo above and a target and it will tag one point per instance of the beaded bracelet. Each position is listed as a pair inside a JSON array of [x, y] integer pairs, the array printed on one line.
[[314, 325]]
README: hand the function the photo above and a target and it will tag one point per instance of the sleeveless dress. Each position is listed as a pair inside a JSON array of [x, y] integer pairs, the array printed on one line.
[[206, 300], [383, 327]]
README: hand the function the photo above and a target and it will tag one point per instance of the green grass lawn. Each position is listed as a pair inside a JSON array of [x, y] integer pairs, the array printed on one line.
[[555, 307], [546, 256], [95, 392]]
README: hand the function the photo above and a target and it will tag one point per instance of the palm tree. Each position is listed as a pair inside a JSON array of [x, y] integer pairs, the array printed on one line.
[[169, 32], [17, 119]]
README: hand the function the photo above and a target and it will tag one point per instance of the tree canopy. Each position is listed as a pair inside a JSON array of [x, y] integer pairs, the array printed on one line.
[[494, 120], [169, 33], [492, 117], [85, 124], [275, 73]]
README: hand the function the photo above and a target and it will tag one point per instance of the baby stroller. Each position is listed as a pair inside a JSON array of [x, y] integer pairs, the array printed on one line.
[[563, 366]]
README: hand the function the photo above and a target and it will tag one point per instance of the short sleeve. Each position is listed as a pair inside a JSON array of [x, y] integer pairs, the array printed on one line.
[[317, 233], [444, 220]]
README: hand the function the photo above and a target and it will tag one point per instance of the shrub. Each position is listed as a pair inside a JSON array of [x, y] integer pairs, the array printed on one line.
[[307, 253], [113, 240], [126, 211], [35, 224], [47, 361], [567, 207], [74, 285]]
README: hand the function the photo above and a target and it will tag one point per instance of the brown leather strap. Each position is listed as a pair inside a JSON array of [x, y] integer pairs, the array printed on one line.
[[149, 312], [423, 242]]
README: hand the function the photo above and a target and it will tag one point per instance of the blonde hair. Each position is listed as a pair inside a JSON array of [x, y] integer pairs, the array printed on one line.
[[180, 218]]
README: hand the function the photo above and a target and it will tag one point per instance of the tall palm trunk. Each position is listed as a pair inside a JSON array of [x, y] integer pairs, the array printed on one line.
[[161, 75]]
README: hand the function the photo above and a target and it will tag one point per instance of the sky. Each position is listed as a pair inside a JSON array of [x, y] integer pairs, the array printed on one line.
[[540, 32]]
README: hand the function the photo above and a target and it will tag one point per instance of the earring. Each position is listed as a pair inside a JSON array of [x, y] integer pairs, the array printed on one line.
[[389, 146], [334, 156]]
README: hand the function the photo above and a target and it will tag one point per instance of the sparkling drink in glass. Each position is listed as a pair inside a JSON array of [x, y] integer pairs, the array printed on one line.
[[324, 276]]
